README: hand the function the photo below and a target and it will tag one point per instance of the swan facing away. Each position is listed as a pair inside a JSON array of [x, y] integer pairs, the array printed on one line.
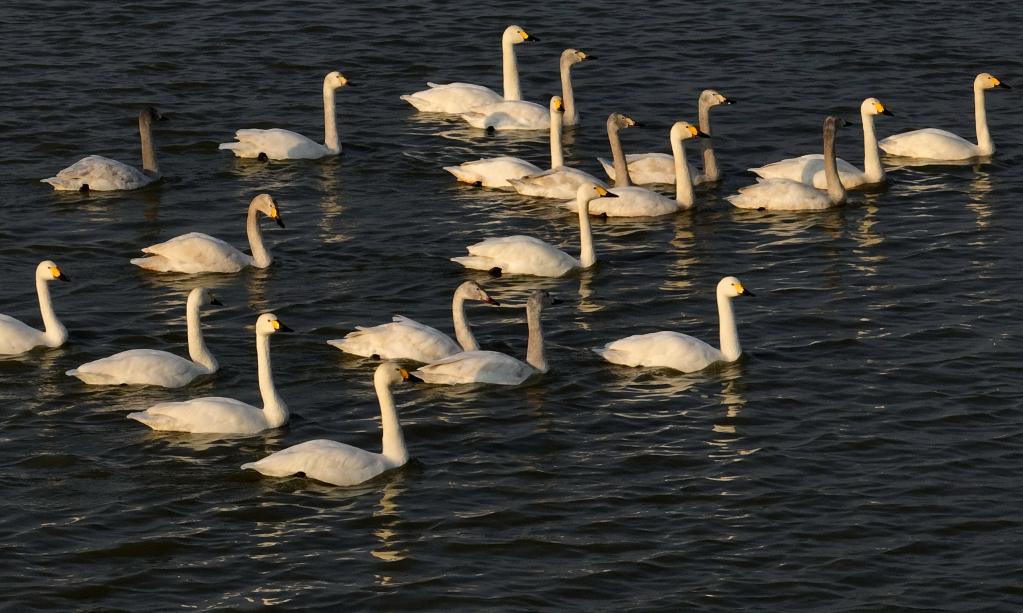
[[406, 339], [97, 173], [681, 351], [809, 169], [280, 144], [789, 195], [939, 145], [456, 98], [340, 464], [216, 415], [491, 366], [525, 255], [153, 367], [651, 168], [16, 337], [196, 252]]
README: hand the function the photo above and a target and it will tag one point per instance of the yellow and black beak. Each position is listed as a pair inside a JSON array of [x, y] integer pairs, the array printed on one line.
[[214, 301], [742, 291], [487, 299], [1001, 84], [57, 274], [603, 193], [888, 113], [279, 327], [407, 376], [275, 214], [527, 37], [697, 133]]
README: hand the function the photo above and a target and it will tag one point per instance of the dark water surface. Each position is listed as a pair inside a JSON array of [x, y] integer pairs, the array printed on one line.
[[865, 454]]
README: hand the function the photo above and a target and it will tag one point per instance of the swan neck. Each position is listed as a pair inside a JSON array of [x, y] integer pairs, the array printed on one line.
[[197, 349], [984, 142], [260, 256], [149, 164], [535, 355], [622, 178], [730, 348], [511, 71], [393, 444], [54, 332], [462, 330], [274, 409], [710, 163], [331, 140], [683, 182], [557, 157], [871, 158], [567, 93], [836, 191], [587, 254]]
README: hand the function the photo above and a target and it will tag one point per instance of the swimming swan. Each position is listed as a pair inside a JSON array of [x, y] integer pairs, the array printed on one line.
[[152, 367], [491, 366], [16, 337], [649, 168], [789, 195], [280, 144], [681, 351], [196, 252], [523, 115], [340, 464], [809, 169], [525, 255], [934, 144], [215, 415], [639, 201], [462, 97], [97, 173], [406, 339]]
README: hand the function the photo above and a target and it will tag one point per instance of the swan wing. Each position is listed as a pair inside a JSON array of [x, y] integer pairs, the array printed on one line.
[[561, 182], [631, 202], [510, 115], [929, 143], [401, 339], [96, 172], [492, 172], [323, 460], [452, 98], [668, 349], [18, 337], [139, 367], [193, 253], [476, 367], [781, 195], [276, 144], [211, 415], [518, 255]]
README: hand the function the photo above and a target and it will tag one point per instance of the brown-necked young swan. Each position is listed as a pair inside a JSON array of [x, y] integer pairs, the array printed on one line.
[[17, 337]]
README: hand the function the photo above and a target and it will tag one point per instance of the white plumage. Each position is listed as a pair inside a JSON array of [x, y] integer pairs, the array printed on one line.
[[17, 337]]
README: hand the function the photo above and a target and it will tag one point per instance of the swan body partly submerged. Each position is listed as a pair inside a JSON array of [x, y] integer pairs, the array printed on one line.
[[17, 337]]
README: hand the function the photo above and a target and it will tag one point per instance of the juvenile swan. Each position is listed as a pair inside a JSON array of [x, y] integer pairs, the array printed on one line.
[[340, 464], [491, 366], [98, 173], [280, 144], [525, 255], [16, 337], [789, 195], [215, 415], [462, 97], [406, 339], [196, 252], [809, 169], [681, 351], [153, 367]]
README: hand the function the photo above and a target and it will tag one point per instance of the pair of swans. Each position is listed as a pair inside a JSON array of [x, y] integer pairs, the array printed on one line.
[[97, 173], [17, 337], [340, 464], [152, 367], [216, 415], [790, 195], [651, 168], [196, 252], [681, 351], [280, 144], [407, 339]]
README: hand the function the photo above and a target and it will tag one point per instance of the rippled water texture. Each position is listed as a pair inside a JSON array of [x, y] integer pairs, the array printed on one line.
[[864, 455]]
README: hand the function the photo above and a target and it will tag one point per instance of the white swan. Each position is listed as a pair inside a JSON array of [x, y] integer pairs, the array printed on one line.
[[340, 464], [196, 252], [634, 201], [789, 195], [560, 181], [491, 366], [216, 415], [153, 367], [280, 144], [650, 168], [809, 169], [681, 351], [97, 173], [462, 97], [934, 144], [16, 337], [525, 255], [523, 115], [406, 339]]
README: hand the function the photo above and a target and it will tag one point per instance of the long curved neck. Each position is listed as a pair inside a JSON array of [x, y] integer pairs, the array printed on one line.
[[330, 137], [836, 191], [274, 409], [683, 183], [54, 331], [557, 157], [196, 343], [622, 178], [871, 158], [260, 256], [148, 153], [587, 254], [462, 331], [511, 71], [567, 93], [710, 163], [394, 449], [535, 355], [729, 332], [984, 142]]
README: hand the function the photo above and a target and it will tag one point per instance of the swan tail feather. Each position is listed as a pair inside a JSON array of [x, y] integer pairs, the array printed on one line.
[[421, 104], [475, 262], [154, 420], [268, 469], [461, 175], [63, 184]]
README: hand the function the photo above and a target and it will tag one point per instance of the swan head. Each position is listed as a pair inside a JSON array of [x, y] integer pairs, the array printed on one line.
[[832, 123], [711, 97], [730, 287], [150, 114], [574, 56], [683, 130], [592, 191], [265, 204], [539, 300], [873, 106], [618, 121], [267, 324], [557, 105], [516, 35], [47, 270], [335, 80], [989, 81], [470, 290], [203, 297], [390, 374]]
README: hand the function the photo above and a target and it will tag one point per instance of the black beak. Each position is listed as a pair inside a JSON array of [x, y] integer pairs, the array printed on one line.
[[845, 122], [532, 39], [63, 277], [490, 300], [636, 124], [702, 134], [728, 101], [556, 301], [1004, 85], [413, 379], [610, 194], [349, 84], [888, 113], [215, 302], [280, 222], [590, 57], [282, 328], [746, 292]]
